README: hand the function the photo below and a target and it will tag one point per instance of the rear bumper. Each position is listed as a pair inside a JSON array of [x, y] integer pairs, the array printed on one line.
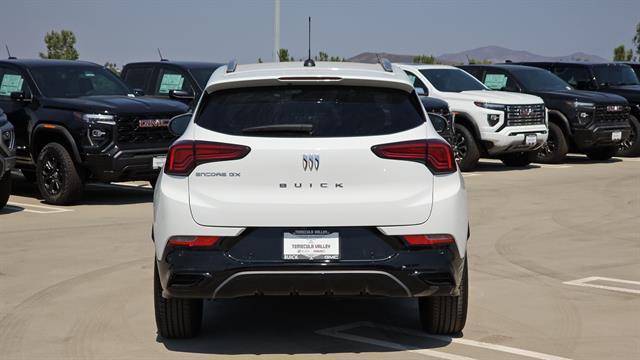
[[124, 165], [212, 274], [599, 136]]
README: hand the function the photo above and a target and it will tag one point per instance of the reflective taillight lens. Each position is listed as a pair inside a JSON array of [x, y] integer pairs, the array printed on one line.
[[436, 154], [184, 156], [428, 240], [194, 241]]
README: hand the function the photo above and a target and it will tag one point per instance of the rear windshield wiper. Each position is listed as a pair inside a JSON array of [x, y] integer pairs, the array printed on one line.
[[280, 128]]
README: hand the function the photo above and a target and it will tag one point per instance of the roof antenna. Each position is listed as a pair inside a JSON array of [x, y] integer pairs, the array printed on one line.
[[468, 60], [9, 53], [160, 54], [309, 62]]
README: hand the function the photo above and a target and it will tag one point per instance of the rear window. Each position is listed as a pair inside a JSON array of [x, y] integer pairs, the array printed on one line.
[[310, 111]]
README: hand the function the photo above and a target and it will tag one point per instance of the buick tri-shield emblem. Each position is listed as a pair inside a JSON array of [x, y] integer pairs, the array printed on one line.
[[310, 162]]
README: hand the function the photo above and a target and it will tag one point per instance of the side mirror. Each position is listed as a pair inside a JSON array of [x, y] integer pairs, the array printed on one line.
[[20, 96], [138, 92], [180, 95], [178, 124], [439, 122], [420, 91]]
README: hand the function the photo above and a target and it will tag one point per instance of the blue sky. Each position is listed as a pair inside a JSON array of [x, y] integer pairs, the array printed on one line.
[[123, 31]]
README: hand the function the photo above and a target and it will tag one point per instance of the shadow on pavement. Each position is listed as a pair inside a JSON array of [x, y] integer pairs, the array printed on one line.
[[288, 325], [94, 194]]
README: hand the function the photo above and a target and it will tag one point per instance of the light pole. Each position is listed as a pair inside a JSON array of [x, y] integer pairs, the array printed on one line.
[[276, 30]]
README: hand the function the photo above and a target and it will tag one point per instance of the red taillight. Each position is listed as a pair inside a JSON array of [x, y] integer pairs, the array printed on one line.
[[184, 156], [434, 153], [193, 241], [432, 239]]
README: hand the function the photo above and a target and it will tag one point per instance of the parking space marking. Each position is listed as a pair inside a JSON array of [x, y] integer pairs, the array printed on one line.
[[586, 282], [467, 174], [45, 209], [338, 332], [553, 166]]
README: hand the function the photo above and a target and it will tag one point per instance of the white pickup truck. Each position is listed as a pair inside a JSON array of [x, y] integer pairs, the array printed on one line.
[[496, 124]]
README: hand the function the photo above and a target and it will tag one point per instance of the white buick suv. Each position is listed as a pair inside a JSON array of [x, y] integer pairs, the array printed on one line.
[[325, 180], [504, 125]]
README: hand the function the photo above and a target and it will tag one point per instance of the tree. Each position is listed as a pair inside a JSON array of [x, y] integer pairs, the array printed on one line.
[[622, 54], [259, 60], [283, 55], [478, 61], [323, 56], [60, 45], [113, 67], [424, 59]]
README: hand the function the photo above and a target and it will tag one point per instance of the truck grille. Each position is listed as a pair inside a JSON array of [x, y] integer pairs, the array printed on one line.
[[613, 113], [523, 115], [131, 134]]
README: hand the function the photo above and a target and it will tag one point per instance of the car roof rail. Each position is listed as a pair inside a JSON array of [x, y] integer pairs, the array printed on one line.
[[386, 64], [231, 66]]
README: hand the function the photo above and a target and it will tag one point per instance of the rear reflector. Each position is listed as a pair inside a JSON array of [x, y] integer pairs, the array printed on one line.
[[434, 153], [432, 239], [184, 156], [193, 241]]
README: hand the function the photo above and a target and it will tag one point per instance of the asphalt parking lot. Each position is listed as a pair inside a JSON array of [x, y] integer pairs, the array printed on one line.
[[554, 274]]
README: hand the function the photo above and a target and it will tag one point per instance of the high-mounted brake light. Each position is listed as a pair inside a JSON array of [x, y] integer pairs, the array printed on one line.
[[429, 240], [194, 241], [434, 153], [184, 156]]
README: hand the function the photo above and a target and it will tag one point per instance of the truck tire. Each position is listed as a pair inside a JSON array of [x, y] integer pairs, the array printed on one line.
[[631, 146], [57, 176], [556, 147], [520, 159], [5, 189], [602, 153], [446, 314], [468, 153], [175, 318]]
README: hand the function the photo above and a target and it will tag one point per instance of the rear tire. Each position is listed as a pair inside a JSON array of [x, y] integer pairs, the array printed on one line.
[[468, 153], [601, 154], [520, 159], [556, 147], [446, 314], [631, 146], [5, 189], [57, 176], [175, 318]]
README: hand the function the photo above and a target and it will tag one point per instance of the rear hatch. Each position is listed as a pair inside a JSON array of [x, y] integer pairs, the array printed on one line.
[[310, 162]]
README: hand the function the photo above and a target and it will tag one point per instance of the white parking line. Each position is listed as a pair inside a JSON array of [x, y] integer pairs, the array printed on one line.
[[466, 174], [45, 209], [338, 332], [586, 283], [553, 166]]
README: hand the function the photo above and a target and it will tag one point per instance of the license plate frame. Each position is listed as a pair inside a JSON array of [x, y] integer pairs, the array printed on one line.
[[530, 139], [157, 162], [310, 245]]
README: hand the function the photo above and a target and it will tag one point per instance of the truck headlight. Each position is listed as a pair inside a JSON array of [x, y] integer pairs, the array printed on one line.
[[490, 106], [99, 127], [584, 112]]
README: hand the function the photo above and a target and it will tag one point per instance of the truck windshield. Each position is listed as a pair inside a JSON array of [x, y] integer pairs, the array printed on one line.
[[202, 75], [614, 75], [540, 80], [77, 81], [452, 80]]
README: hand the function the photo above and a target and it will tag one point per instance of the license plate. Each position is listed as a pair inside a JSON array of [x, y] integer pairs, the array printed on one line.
[[531, 140], [616, 135], [311, 245], [158, 162]]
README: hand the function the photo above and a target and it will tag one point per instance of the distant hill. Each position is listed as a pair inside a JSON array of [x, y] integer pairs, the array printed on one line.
[[494, 54]]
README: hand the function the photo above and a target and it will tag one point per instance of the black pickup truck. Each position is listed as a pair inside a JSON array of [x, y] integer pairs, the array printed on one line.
[[76, 121], [7, 158], [179, 80], [579, 121], [613, 78]]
